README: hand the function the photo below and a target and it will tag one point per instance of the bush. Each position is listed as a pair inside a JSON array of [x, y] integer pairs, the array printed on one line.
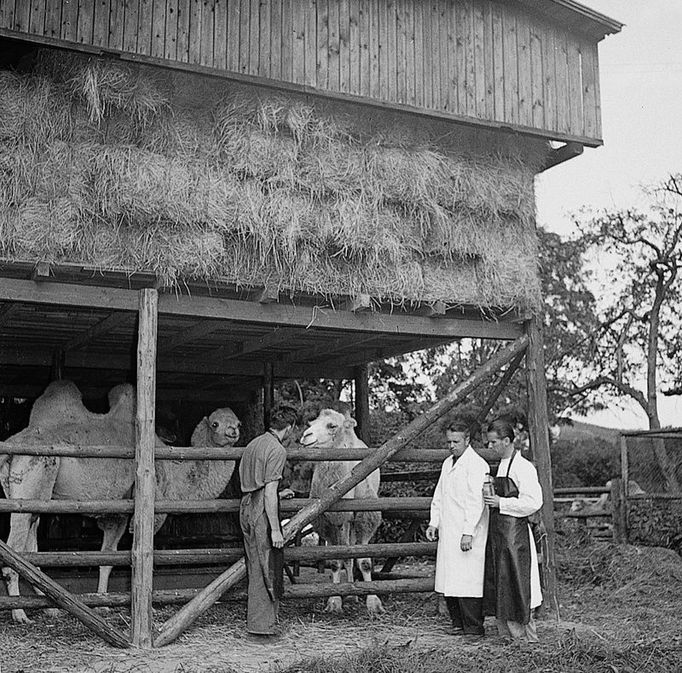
[[584, 462]]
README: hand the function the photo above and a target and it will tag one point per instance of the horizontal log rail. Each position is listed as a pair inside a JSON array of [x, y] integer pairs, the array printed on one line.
[[92, 507], [582, 490], [582, 515], [181, 596], [184, 557], [213, 453]]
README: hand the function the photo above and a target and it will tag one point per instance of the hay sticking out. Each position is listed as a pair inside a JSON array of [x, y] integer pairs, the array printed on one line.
[[138, 168]]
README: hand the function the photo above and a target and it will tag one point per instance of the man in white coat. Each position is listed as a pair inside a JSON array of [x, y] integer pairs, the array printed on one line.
[[459, 521]]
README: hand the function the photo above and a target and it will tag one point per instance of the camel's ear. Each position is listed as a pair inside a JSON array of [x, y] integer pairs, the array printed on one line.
[[201, 433], [349, 423]]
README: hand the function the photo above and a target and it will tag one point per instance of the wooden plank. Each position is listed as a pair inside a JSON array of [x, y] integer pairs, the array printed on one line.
[[170, 42], [434, 55], [479, 38], [102, 327], [244, 35], [69, 27], [364, 20], [470, 58], [220, 34], [7, 14], [183, 34], [597, 94], [100, 23], [145, 19], [130, 26], [334, 47], [207, 597], [254, 38], [158, 37], [263, 66], [538, 430], [458, 56], [84, 28], [354, 47], [375, 49], [536, 78], [311, 43], [418, 9], [298, 46], [62, 598], [511, 66], [489, 55], [563, 102], [524, 69], [233, 23], [142, 564], [287, 41], [362, 416], [53, 18], [400, 55], [22, 15], [575, 94], [344, 45], [36, 23], [195, 31], [549, 79], [323, 44], [498, 61], [410, 64], [276, 39], [392, 50], [383, 49]]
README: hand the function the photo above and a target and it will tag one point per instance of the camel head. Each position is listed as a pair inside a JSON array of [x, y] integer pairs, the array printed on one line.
[[327, 429], [221, 428]]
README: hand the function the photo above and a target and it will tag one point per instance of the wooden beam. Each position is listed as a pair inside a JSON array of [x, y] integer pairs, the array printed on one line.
[[61, 597], [145, 481], [277, 337], [198, 331], [326, 348], [186, 615], [359, 304], [267, 295], [362, 403], [538, 430], [270, 314], [499, 387], [41, 271], [102, 327], [561, 154]]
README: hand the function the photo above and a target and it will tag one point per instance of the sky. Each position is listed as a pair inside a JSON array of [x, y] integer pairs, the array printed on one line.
[[641, 96]]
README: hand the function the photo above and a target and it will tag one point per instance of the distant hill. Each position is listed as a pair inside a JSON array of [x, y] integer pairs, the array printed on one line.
[[580, 431]]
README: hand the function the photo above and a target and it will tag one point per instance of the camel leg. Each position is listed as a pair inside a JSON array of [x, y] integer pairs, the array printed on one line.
[[112, 529], [22, 527], [32, 546], [340, 535], [365, 526]]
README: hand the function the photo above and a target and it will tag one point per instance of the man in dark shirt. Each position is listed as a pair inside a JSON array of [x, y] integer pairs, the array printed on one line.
[[260, 471]]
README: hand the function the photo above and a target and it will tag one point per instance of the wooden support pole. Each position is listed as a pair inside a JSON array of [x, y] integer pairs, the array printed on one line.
[[61, 597], [538, 429], [499, 387], [619, 505], [362, 402], [145, 481], [268, 394], [210, 594], [624, 464]]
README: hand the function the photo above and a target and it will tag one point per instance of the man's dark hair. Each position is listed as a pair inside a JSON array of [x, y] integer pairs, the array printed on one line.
[[283, 415], [503, 428], [458, 425]]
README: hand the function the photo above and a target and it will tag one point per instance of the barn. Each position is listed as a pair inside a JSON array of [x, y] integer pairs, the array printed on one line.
[[203, 197]]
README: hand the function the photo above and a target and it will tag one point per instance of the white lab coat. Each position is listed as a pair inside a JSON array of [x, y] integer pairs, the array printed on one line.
[[458, 509], [525, 476]]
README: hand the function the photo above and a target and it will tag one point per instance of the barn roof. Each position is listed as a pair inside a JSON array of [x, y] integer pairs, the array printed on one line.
[[576, 16]]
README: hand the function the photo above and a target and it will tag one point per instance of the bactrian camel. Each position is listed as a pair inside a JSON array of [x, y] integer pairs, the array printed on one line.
[[59, 417], [333, 430]]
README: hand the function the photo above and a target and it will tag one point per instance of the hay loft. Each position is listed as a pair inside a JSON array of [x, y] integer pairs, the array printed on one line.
[[120, 166]]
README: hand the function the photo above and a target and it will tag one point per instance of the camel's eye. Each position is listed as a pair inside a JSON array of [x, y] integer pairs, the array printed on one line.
[[215, 424], [332, 426]]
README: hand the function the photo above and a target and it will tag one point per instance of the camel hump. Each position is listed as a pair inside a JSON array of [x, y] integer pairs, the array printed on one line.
[[122, 402], [61, 403]]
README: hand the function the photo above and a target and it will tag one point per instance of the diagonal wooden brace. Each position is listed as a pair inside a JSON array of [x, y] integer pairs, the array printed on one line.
[[210, 594], [61, 597]]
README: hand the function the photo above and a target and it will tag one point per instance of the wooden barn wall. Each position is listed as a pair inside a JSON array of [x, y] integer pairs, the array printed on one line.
[[482, 59]]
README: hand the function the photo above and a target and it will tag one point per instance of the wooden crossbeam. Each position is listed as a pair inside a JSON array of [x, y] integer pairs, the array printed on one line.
[[276, 337], [41, 271], [102, 327], [326, 348], [61, 597], [189, 335]]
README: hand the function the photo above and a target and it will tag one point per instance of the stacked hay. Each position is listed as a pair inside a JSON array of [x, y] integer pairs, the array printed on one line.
[[131, 167]]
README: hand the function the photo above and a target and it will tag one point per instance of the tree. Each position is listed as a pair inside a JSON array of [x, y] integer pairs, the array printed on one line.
[[636, 345]]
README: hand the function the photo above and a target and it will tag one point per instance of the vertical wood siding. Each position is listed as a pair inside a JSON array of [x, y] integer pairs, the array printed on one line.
[[482, 59]]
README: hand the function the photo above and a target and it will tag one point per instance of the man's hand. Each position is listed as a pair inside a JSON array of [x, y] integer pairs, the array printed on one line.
[[431, 533], [466, 543], [286, 494], [492, 500], [277, 539]]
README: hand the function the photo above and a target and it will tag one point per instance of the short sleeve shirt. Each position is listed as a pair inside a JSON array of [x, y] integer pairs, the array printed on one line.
[[263, 461]]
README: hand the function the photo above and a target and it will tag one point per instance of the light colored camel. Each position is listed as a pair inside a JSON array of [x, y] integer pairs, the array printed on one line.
[[334, 430], [59, 417]]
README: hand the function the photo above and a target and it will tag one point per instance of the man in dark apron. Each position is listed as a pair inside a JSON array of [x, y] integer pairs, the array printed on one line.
[[260, 471], [512, 576]]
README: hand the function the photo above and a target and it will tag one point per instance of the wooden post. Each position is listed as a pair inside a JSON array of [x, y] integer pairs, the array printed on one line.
[[538, 429], [499, 387], [210, 594], [145, 481], [362, 403], [61, 597], [268, 394], [624, 464], [619, 506]]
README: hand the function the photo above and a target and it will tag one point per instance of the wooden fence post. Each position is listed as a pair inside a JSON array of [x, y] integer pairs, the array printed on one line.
[[362, 403], [619, 506], [210, 594], [145, 481], [538, 430]]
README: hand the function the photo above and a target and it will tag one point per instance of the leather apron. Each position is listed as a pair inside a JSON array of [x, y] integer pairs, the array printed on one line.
[[508, 559]]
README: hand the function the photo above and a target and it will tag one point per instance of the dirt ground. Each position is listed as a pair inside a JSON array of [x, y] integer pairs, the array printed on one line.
[[615, 595]]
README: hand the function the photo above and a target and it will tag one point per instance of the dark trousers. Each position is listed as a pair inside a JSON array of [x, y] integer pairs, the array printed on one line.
[[466, 613]]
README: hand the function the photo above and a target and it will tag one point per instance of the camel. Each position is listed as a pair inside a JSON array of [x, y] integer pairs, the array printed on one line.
[[59, 417], [334, 430]]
